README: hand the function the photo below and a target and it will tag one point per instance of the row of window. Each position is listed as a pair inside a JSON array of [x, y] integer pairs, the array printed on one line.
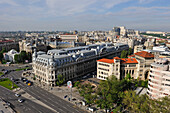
[[104, 64], [103, 73], [102, 77], [103, 69]]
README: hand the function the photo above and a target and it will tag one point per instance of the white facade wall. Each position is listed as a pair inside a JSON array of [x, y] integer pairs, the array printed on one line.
[[159, 79]]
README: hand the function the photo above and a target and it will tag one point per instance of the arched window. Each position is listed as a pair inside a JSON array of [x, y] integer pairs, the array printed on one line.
[[132, 72]]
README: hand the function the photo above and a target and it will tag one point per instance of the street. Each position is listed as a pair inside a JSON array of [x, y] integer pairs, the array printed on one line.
[[26, 107], [44, 96]]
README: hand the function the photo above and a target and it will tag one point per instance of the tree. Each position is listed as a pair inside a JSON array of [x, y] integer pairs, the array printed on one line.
[[130, 51], [1, 56], [124, 54], [143, 104], [108, 93], [161, 105], [76, 84], [128, 77], [23, 56], [17, 58], [60, 79], [29, 56], [87, 91]]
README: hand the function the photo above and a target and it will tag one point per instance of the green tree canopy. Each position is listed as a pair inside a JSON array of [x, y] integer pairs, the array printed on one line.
[[143, 104], [17, 58], [87, 91], [60, 79]]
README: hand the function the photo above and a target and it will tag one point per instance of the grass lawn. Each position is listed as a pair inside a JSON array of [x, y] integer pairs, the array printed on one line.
[[7, 83], [1, 73], [22, 69]]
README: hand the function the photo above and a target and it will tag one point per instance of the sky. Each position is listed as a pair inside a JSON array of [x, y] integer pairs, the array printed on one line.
[[84, 15]]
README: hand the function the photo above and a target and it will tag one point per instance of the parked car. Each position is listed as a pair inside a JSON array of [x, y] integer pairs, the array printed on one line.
[[17, 95], [8, 103], [92, 109], [27, 81], [65, 96], [29, 84], [20, 100], [23, 79]]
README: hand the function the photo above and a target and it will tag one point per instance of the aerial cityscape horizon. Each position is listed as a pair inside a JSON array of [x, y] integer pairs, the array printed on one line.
[[85, 56], [85, 15]]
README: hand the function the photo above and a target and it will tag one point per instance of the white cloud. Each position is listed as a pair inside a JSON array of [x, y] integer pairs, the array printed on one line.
[[145, 1], [112, 3], [10, 2], [66, 7]]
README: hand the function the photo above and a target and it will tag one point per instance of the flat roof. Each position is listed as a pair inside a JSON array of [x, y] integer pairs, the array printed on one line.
[[49, 56]]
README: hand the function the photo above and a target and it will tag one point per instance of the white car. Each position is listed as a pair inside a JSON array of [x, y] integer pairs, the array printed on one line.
[[17, 95], [20, 100]]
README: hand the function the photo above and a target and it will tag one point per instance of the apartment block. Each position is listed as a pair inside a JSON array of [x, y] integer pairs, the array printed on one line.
[[159, 79]]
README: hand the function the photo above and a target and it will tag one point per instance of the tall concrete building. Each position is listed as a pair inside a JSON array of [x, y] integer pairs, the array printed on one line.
[[122, 31], [159, 79]]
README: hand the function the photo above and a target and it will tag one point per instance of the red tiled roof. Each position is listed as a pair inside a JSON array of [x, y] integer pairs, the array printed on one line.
[[106, 60], [3, 41], [67, 34], [145, 54], [129, 61], [123, 60], [116, 58], [131, 55]]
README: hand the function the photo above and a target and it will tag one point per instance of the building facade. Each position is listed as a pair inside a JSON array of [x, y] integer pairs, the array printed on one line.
[[118, 67], [68, 37], [30, 45], [137, 65], [10, 55], [159, 79], [138, 48], [8, 45], [71, 62]]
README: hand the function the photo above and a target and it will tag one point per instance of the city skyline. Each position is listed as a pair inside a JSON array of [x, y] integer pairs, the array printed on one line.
[[85, 15]]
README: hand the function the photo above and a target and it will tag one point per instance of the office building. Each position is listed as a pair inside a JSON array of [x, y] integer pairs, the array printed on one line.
[[71, 62]]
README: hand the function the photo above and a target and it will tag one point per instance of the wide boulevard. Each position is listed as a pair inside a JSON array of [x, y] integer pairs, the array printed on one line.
[[56, 103]]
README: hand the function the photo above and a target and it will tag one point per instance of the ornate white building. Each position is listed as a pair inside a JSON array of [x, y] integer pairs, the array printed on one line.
[[10, 55], [71, 62]]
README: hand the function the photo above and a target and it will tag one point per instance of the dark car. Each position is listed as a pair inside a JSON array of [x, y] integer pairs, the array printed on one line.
[[27, 81], [65, 96]]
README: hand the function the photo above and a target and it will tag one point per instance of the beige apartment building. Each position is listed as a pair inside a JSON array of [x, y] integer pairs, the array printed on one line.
[[159, 79], [137, 65], [138, 48]]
